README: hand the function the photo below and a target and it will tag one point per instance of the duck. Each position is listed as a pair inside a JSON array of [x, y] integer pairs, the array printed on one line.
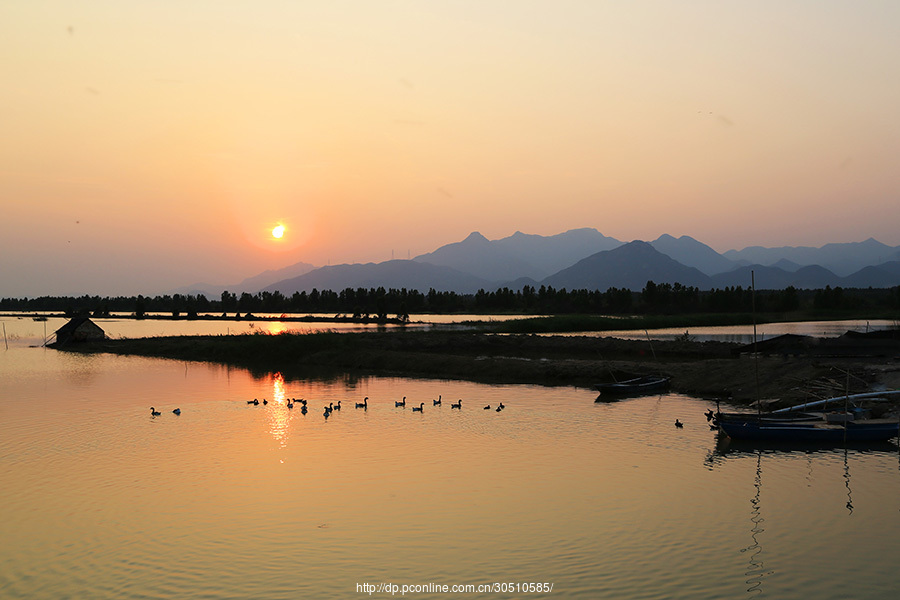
[[709, 415], [154, 412], [401, 403], [254, 402], [290, 403], [337, 406], [302, 401], [438, 401], [177, 411], [488, 407], [303, 409], [364, 404], [678, 424], [419, 409], [265, 401], [327, 413], [501, 406], [329, 409], [456, 404]]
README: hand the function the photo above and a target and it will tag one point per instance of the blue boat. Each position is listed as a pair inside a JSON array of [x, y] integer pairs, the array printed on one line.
[[819, 431]]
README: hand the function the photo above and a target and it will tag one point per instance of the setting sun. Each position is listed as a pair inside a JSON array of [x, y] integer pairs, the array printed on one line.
[[278, 232]]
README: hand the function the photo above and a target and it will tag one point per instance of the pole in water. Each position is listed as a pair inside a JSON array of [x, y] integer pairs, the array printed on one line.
[[755, 353]]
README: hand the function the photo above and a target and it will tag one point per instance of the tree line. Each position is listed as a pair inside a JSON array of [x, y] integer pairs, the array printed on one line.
[[655, 298]]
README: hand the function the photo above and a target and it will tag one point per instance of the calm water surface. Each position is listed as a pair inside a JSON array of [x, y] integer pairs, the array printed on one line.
[[101, 500]]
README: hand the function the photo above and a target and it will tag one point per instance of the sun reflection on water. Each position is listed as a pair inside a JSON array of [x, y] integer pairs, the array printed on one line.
[[280, 413]]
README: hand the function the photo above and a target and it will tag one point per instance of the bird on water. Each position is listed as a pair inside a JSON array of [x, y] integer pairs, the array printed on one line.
[[419, 408], [154, 412]]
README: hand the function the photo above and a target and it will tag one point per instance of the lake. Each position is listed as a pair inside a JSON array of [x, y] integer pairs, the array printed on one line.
[[229, 500]]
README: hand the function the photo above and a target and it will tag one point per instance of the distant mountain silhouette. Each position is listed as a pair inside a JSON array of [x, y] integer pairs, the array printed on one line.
[[692, 253], [480, 257], [774, 278], [251, 284], [396, 274], [556, 252], [629, 266], [519, 255], [787, 265], [522, 259], [876, 276], [842, 259]]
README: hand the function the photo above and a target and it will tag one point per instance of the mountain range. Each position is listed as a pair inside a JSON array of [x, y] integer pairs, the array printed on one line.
[[585, 258]]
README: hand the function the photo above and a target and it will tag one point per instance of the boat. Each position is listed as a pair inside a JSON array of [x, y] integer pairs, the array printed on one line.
[[635, 386], [818, 431], [798, 424]]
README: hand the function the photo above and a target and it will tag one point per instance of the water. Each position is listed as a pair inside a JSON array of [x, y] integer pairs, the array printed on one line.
[[229, 500], [25, 331]]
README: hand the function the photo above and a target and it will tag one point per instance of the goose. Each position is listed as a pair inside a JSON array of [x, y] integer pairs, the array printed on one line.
[[419, 409], [337, 406], [678, 424], [401, 403], [438, 401], [154, 412], [364, 404], [331, 407], [177, 411], [328, 409], [456, 404]]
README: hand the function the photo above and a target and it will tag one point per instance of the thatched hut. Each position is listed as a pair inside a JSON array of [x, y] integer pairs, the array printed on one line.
[[79, 329]]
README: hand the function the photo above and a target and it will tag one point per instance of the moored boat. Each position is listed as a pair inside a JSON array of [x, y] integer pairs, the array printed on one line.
[[635, 386], [819, 431]]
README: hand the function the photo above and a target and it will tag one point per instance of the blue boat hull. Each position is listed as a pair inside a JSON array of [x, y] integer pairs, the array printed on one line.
[[811, 432]]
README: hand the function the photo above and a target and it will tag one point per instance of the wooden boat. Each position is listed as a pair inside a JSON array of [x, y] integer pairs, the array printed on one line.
[[635, 386]]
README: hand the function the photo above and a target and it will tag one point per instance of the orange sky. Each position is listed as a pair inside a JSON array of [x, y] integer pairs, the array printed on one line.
[[148, 146]]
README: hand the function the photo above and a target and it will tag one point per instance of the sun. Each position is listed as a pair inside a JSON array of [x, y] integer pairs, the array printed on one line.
[[278, 232]]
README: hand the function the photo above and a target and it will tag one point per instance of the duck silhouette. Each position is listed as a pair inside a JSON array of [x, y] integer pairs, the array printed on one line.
[[418, 408], [154, 412]]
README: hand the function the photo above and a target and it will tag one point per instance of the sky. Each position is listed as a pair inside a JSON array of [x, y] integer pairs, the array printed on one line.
[[152, 145]]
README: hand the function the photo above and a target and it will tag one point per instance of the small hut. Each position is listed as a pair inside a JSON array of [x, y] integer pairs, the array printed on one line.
[[79, 329]]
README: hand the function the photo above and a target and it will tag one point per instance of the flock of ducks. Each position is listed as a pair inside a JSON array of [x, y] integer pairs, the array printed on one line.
[[328, 410]]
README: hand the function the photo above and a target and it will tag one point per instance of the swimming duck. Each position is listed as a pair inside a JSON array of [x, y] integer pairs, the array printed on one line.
[[438, 401], [401, 403], [419, 409], [177, 411], [337, 406], [456, 404], [488, 407], [254, 402], [265, 401], [678, 424], [501, 406], [154, 412], [364, 404], [327, 413], [303, 409]]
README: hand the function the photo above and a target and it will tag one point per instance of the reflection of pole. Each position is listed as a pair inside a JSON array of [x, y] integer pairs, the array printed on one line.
[[4, 337], [755, 572], [847, 482]]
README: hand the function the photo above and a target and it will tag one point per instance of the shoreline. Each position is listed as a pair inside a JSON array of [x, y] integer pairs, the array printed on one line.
[[705, 369]]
